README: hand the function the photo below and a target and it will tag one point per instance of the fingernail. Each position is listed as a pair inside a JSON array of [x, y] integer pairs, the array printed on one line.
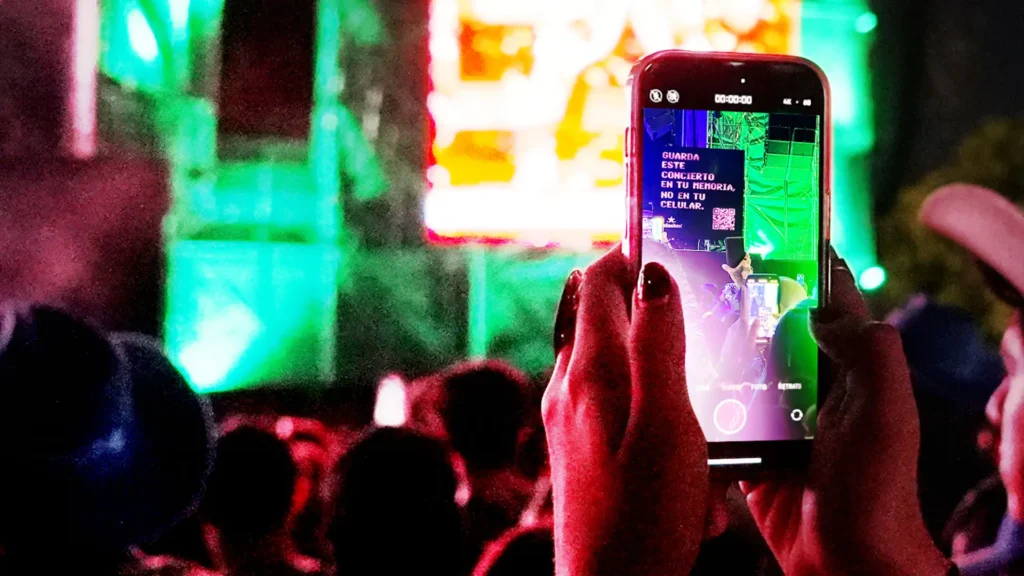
[[654, 282], [565, 317], [835, 261]]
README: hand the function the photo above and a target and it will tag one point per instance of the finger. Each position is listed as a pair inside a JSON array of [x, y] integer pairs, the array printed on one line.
[[718, 511], [599, 367], [844, 317], [565, 323], [846, 313], [871, 352], [776, 508], [844, 299], [830, 412], [564, 337], [878, 403], [658, 342], [664, 451]]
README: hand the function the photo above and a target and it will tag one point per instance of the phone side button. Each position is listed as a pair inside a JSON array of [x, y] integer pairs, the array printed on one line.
[[625, 143]]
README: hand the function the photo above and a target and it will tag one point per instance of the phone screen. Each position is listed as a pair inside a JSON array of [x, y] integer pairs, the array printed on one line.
[[763, 302], [711, 180]]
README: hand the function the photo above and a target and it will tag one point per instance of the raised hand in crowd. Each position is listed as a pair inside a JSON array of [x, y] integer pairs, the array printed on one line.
[[856, 510], [628, 458]]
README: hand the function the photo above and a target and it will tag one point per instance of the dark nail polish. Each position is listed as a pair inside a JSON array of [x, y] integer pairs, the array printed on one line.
[[836, 263], [565, 317], [654, 282]]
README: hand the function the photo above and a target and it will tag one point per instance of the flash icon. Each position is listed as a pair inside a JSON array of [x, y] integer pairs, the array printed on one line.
[[655, 95]]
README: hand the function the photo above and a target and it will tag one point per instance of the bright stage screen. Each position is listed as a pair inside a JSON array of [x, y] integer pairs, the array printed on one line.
[[528, 103]]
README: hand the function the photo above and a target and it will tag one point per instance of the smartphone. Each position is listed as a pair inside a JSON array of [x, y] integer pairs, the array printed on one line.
[[735, 251], [728, 155], [762, 295]]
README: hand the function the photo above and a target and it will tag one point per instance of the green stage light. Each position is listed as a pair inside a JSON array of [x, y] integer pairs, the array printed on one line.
[[865, 23], [872, 279], [241, 314], [835, 34], [179, 14], [763, 248], [141, 37]]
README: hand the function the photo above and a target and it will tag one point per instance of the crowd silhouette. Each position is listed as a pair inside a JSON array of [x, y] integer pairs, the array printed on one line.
[[112, 465]]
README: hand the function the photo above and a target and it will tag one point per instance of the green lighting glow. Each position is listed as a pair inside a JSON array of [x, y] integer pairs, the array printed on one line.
[[865, 23], [249, 310], [222, 337], [141, 37], [179, 13], [510, 316], [763, 248], [830, 38], [873, 278], [255, 241], [242, 314], [360, 21]]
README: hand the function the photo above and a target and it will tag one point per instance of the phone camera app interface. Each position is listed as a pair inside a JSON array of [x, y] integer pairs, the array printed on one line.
[[730, 205]]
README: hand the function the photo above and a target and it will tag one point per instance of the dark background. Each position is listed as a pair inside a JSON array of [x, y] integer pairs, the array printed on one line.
[[939, 68]]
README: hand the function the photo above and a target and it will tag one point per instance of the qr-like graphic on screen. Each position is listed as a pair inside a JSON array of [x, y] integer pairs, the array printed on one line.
[[723, 219]]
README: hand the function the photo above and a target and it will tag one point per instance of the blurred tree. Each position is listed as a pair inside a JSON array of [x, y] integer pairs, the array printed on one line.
[[919, 260]]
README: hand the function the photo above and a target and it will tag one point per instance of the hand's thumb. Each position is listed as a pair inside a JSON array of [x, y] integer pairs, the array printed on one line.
[[871, 353], [837, 338]]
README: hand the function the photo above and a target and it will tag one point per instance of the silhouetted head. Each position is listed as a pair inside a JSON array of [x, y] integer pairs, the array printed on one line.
[[528, 551], [395, 509], [250, 489], [953, 371], [104, 443], [947, 353], [484, 407]]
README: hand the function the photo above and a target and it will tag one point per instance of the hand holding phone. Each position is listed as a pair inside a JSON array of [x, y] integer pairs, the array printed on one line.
[[711, 169], [739, 273], [613, 412], [863, 463]]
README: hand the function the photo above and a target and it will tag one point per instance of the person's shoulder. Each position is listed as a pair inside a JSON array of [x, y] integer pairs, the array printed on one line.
[[164, 566], [306, 566]]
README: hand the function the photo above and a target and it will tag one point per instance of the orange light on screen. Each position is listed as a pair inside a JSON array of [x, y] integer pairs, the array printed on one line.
[[529, 102]]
